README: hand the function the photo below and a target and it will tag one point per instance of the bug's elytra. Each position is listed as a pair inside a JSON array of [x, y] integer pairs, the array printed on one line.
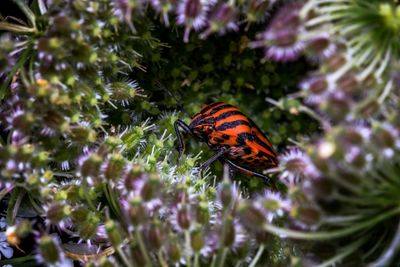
[[237, 139]]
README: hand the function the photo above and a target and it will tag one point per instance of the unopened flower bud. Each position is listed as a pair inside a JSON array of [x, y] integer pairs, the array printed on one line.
[[49, 249], [114, 233], [250, 216], [196, 240], [90, 166], [83, 134], [58, 212], [225, 194], [173, 250], [137, 212], [230, 232], [114, 167], [87, 229], [202, 213], [150, 187], [183, 216], [156, 235]]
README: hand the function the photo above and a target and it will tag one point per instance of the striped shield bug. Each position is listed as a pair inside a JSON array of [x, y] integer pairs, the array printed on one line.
[[235, 138]]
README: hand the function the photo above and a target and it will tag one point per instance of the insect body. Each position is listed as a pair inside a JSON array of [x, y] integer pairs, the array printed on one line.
[[236, 139]]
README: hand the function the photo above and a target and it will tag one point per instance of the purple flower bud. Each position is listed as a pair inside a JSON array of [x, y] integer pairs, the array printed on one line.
[[90, 165], [225, 194], [114, 167], [335, 62], [192, 14], [385, 136], [280, 39], [316, 84], [150, 187], [183, 216], [320, 47], [222, 17], [156, 235], [307, 215], [256, 10]]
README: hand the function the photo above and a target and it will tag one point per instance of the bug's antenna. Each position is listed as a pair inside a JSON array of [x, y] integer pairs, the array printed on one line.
[[179, 101]]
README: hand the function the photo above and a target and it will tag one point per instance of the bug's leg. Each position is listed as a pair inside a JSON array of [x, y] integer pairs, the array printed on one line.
[[257, 174], [212, 159], [185, 127]]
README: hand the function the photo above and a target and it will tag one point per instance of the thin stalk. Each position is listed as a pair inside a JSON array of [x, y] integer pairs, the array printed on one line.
[[223, 257], [386, 92], [142, 248], [123, 257], [386, 258], [15, 28], [161, 259], [214, 260], [258, 256], [346, 252], [5, 191], [188, 248], [196, 260], [324, 235], [35, 206], [27, 11]]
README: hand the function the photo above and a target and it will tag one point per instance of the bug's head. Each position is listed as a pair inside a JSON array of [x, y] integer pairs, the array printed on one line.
[[203, 129]]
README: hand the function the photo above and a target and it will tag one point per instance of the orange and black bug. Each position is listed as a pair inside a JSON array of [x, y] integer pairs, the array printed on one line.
[[236, 139]]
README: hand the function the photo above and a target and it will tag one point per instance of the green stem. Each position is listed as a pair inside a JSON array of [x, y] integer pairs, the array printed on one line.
[[15, 28], [386, 258], [142, 248], [196, 260], [223, 257], [346, 251], [257, 257], [5, 191], [123, 256], [27, 11], [161, 259], [188, 248], [282, 232]]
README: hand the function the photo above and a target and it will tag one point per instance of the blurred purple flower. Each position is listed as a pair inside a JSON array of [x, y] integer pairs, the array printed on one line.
[[192, 14], [295, 164], [222, 18], [280, 39]]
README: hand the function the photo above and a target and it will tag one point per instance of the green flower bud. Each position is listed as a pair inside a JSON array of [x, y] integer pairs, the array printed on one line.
[[57, 212], [114, 167], [49, 250], [196, 240], [137, 212], [114, 233], [173, 250]]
